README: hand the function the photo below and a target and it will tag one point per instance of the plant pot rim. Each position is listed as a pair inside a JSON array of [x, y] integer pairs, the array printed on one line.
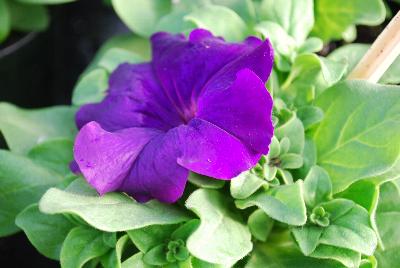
[[27, 38]]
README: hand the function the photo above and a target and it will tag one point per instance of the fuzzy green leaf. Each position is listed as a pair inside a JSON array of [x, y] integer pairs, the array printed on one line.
[[220, 20], [260, 224], [283, 203], [317, 187], [91, 87], [245, 185], [333, 18], [221, 238], [25, 128], [55, 154], [46, 232], [82, 245], [387, 219], [362, 140], [141, 16], [112, 212], [22, 183]]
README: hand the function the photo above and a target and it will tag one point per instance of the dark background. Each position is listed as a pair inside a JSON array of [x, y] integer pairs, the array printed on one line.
[[44, 70]]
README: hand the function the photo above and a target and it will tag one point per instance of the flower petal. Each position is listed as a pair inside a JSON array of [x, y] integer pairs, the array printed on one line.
[[105, 158], [134, 99], [183, 66], [211, 151], [155, 173], [244, 110], [259, 60]]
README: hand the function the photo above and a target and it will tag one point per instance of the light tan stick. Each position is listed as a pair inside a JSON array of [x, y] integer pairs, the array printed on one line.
[[381, 55]]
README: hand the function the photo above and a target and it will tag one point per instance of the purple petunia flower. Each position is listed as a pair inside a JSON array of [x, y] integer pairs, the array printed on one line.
[[200, 105]]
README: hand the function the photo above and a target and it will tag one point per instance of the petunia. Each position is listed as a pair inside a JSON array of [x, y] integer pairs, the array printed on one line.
[[200, 105]]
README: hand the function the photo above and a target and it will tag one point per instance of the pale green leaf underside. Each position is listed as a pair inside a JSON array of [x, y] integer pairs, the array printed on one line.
[[221, 238], [283, 203], [112, 212]]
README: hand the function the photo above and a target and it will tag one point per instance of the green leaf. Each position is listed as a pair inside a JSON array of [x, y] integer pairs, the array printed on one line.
[[55, 154], [333, 18], [391, 76], [295, 16], [347, 257], [113, 258], [150, 236], [311, 45], [362, 140], [280, 39], [363, 192], [352, 54], [91, 87], [260, 224], [317, 187], [156, 256], [221, 238], [112, 212], [22, 182], [285, 256], [244, 8], [25, 128], [292, 129], [307, 237], [135, 261], [245, 185], [347, 235], [110, 239], [141, 16], [185, 230], [82, 245], [26, 17], [132, 43], [205, 182], [310, 115], [351, 221], [5, 20], [79, 186], [175, 22], [369, 262], [310, 76], [116, 56], [291, 161], [220, 20], [309, 159], [283, 203], [387, 219], [46, 232]]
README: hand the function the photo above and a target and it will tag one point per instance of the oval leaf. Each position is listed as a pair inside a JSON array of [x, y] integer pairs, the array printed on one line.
[[221, 238], [283, 203], [112, 212]]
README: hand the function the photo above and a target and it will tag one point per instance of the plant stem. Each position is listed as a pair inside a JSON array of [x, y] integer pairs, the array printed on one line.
[[381, 55]]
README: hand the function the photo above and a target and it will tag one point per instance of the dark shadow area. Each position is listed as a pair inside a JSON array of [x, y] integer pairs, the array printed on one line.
[[16, 251], [41, 69]]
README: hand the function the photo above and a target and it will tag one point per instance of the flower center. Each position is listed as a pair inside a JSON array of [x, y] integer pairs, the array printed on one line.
[[188, 113]]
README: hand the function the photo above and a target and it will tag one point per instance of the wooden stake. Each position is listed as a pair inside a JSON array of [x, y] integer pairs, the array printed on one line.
[[381, 55]]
